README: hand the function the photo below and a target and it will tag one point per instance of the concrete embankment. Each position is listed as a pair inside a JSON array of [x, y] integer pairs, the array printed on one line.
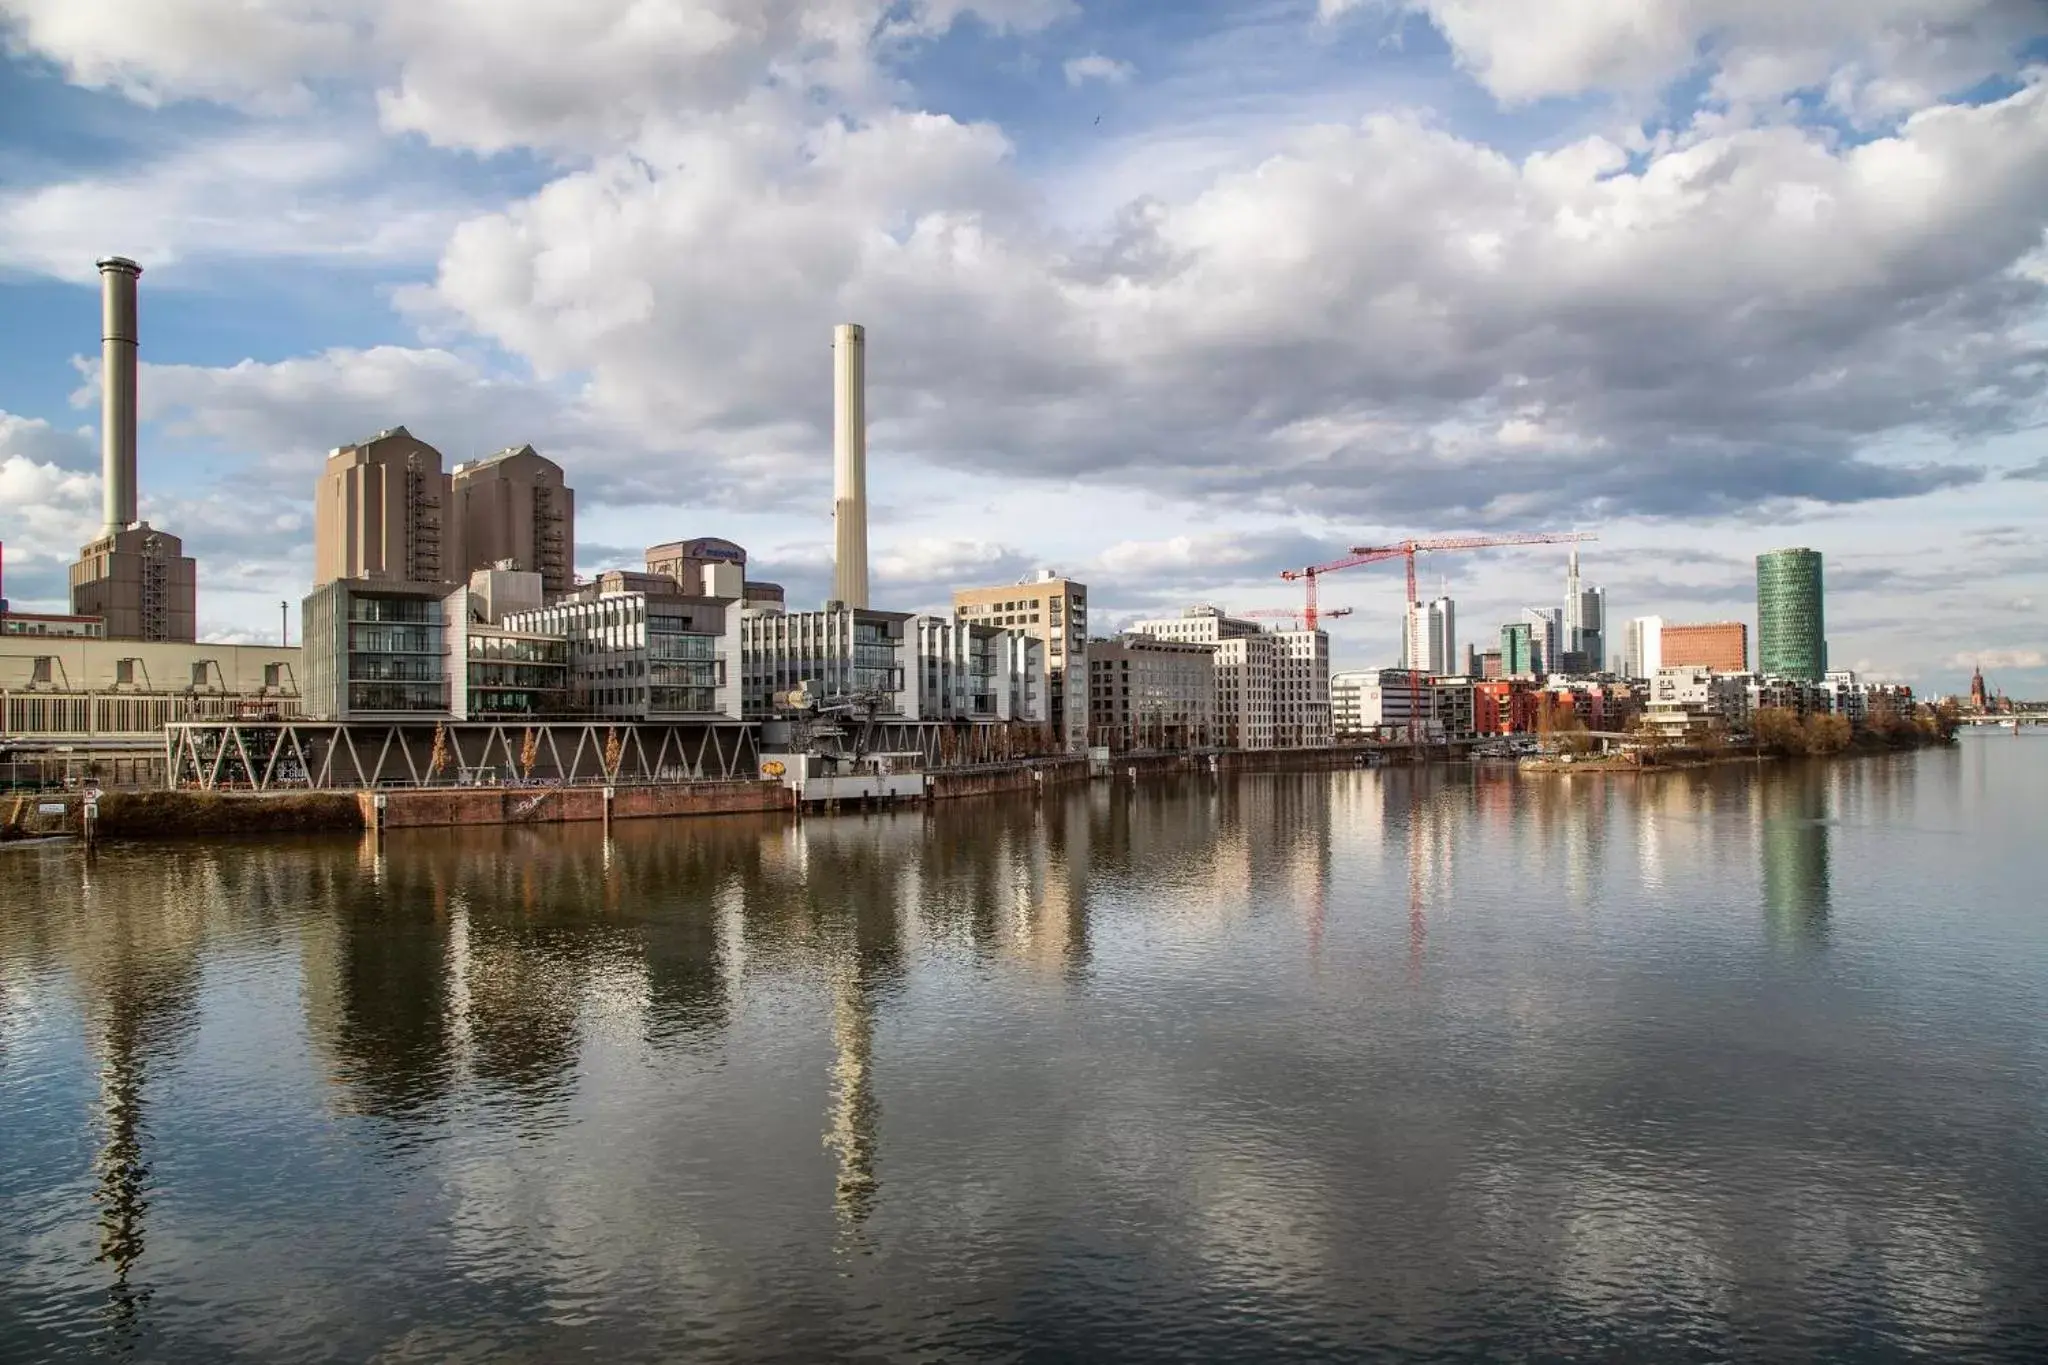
[[995, 779], [150, 815]]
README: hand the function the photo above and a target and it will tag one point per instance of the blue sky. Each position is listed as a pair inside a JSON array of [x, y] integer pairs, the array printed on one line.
[[1705, 278]]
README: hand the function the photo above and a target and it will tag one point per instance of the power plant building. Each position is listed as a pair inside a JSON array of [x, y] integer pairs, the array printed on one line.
[[514, 508], [136, 579], [384, 511], [1791, 618]]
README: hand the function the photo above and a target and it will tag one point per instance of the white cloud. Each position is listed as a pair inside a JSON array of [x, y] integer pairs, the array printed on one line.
[[1998, 658], [1873, 58], [1096, 67], [283, 193]]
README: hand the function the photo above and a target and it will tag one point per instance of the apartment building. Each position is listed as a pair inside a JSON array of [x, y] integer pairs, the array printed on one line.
[[1272, 687], [1055, 610], [838, 652], [1150, 693], [1378, 703], [645, 655], [977, 673]]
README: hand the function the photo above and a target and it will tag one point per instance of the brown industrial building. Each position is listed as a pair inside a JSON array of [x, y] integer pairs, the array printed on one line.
[[136, 579], [140, 582], [383, 510], [1720, 645], [513, 506]]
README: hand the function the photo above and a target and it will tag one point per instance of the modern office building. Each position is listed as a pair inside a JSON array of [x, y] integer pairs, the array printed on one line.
[[837, 652], [1378, 703], [384, 511], [967, 672], [1518, 657], [514, 508], [1582, 626], [641, 655], [1055, 609], [1301, 689], [1642, 648], [380, 649], [1546, 632], [1791, 618], [1452, 702], [1720, 645], [1429, 637], [1150, 693]]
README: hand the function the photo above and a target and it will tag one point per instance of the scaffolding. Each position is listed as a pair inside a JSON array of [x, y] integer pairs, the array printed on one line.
[[422, 520]]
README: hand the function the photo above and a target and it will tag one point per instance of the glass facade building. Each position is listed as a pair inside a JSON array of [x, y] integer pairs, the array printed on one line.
[[1791, 624]]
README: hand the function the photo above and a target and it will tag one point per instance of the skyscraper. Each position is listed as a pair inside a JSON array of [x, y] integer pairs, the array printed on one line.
[[1642, 649], [1429, 641], [1791, 623], [1585, 620], [1546, 625], [1517, 650], [514, 505]]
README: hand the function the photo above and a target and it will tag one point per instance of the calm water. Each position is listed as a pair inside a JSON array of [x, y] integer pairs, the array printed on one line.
[[1443, 1065]]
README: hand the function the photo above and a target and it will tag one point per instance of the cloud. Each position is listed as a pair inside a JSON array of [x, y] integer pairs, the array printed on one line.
[[2036, 472], [51, 495], [1998, 658], [283, 193], [1868, 58], [1096, 67], [1385, 312]]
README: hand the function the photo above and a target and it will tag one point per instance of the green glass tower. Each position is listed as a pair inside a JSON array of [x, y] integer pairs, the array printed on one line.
[[1517, 651], [1791, 625]]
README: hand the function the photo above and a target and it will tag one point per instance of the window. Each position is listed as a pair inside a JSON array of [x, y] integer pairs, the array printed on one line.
[[124, 672]]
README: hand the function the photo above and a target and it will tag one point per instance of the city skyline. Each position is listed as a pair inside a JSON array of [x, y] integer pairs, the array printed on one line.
[[318, 274]]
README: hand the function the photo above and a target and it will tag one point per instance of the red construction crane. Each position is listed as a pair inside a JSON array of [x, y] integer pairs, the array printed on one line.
[[1407, 549], [1288, 614]]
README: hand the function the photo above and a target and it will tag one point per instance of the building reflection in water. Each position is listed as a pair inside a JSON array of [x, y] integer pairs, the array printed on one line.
[[1793, 806], [135, 961]]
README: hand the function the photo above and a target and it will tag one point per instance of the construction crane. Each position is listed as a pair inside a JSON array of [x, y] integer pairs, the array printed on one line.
[[1407, 550], [1288, 614]]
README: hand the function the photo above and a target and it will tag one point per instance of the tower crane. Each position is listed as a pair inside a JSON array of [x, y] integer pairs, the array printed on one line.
[[1289, 614], [1407, 550]]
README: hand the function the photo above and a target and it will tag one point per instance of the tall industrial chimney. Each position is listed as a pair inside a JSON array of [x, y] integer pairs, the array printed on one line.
[[850, 464], [117, 391]]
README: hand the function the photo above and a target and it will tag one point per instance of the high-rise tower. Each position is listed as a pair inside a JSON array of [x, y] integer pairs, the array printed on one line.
[[849, 464], [1791, 621]]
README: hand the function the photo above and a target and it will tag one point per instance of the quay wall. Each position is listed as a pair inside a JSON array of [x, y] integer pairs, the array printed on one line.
[[416, 809], [997, 778]]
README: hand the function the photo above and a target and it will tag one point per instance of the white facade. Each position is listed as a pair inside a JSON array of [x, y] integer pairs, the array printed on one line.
[[1546, 628], [1272, 688], [838, 652], [970, 672], [1642, 650], [1681, 698], [646, 656], [1377, 704], [1430, 639]]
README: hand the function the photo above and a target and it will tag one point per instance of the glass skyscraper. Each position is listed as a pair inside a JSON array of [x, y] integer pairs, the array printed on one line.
[[1791, 625]]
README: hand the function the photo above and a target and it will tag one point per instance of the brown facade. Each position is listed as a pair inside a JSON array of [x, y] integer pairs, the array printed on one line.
[[1054, 610], [514, 506], [141, 583], [1721, 645], [384, 509]]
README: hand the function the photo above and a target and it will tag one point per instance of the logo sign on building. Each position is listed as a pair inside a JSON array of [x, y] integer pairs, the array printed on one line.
[[773, 768]]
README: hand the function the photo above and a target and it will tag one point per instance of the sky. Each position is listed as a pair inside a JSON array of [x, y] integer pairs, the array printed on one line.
[[1168, 297]]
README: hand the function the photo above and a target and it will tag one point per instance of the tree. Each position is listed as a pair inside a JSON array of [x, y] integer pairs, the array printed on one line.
[[529, 753], [1826, 734], [437, 761], [1779, 730], [613, 749]]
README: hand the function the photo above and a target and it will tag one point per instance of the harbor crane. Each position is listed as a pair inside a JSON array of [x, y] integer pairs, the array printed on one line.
[[1407, 550]]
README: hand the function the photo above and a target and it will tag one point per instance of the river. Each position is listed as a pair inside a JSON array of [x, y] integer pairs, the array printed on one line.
[[1747, 1063]]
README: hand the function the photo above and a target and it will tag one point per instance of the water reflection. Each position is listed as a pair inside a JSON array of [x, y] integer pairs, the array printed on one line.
[[1452, 1061], [1795, 814]]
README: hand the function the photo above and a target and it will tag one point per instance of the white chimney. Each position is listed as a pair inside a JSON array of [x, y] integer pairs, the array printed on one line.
[[849, 465], [117, 391]]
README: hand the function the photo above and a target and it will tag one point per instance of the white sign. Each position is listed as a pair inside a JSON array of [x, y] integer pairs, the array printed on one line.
[[50, 808]]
